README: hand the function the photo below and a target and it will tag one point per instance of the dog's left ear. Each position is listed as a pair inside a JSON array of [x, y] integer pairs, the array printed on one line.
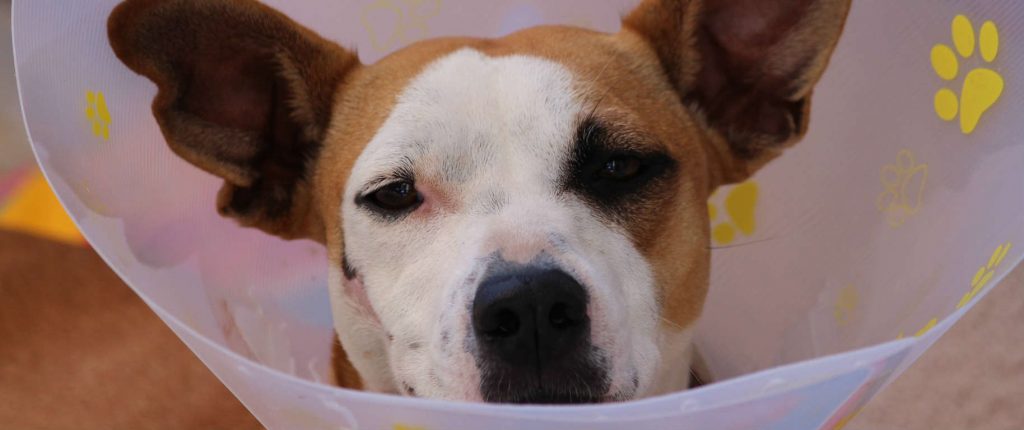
[[748, 66], [244, 93]]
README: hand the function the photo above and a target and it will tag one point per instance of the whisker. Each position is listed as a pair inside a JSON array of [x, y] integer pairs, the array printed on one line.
[[676, 325], [603, 94], [695, 380], [738, 245]]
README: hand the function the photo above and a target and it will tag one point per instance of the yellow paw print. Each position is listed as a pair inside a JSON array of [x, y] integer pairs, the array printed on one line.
[[740, 204], [843, 422], [903, 185], [845, 304], [391, 23], [981, 87], [97, 113], [985, 273], [920, 332], [405, 427]]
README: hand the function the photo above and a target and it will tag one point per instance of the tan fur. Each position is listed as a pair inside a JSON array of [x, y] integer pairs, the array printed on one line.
[[345, 375], [718, 87]]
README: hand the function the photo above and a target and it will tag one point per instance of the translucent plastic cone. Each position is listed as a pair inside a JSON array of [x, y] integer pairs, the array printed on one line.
[[834, 268]]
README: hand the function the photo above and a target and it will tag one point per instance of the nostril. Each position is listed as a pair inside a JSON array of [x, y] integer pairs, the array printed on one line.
[[564, 316], [505, 324], [559, 316]]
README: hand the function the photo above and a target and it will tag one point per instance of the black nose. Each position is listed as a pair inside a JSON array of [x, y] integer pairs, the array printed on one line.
[[532, 327], [531, 317]]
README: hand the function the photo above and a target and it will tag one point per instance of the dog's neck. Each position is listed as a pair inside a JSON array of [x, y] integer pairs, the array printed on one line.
[[673, 369]]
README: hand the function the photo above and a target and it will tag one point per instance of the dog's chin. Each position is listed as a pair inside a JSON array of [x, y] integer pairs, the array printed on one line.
[[547, 397], [566, 395], [551, 397]]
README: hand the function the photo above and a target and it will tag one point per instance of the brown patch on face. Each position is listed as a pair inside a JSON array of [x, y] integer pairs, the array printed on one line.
[[621, 79]]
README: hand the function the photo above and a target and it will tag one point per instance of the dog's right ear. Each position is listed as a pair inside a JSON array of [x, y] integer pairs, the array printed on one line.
[[747, 67], [244, 93]]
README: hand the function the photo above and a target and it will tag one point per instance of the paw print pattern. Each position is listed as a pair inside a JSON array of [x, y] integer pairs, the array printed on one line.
[[920, 332], [903, 185], [97, 113], [981, 279], [740, 204], [406, 427], [844, 421], [392, 23], [845, 304], [981, 86], [984, 274]]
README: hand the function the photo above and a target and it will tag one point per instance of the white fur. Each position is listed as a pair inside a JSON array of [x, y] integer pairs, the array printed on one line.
[[502, 128]]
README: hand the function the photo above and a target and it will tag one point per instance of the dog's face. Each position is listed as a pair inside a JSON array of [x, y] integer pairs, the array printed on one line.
[[502, 223], [513, 220]]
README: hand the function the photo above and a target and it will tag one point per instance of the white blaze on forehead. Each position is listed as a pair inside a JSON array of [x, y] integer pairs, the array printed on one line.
[[468, 113]]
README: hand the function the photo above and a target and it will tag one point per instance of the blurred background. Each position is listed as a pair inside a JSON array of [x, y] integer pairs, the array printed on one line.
[[81, 351], [14, 150]]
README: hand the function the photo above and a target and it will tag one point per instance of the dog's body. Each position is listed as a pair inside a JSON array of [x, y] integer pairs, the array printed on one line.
[[509, 220], [81, 350]]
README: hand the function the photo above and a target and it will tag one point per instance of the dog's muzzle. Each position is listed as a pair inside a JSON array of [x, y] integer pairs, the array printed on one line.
[[533, 337]]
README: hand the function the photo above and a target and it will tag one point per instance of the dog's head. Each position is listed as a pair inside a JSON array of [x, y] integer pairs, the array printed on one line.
[[520, 219]]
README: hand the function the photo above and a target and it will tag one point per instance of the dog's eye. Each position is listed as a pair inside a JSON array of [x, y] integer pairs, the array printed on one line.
[[396, 197], [620, 168], [615, 167]]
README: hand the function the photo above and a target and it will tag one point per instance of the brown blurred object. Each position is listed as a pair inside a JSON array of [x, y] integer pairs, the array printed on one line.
[[80, 350]]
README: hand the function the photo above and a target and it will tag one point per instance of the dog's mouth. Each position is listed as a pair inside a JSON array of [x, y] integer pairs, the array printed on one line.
[[565, 396], [559, 395], [566, 384], [549, 397]]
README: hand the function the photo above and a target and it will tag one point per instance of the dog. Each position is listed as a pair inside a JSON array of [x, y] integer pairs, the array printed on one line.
[[511, 220]]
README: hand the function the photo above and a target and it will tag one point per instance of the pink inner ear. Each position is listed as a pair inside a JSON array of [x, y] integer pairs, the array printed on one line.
[[231, 87], [750, 27], [356, 291]]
